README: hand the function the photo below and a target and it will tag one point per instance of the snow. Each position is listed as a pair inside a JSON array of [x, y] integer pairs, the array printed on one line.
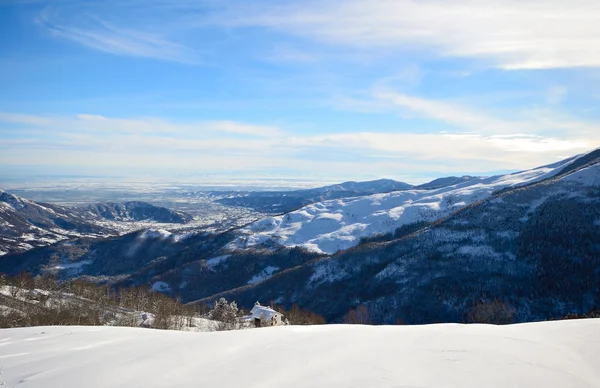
[[181, 236], [263, 275], [73, 266], [161, 287], [549, 354], [263, 312], [589, 176], [326, 270], [155, 233], [212, 263], [330, 226]]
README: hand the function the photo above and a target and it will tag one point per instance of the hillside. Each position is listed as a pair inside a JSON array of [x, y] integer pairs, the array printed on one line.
[[137, 211], [276, 202], [534, 251], [25, 224], [335, 225], [550, 355], [526, 244]]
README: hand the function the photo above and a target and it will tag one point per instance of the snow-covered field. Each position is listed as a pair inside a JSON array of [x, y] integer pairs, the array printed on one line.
[[549, 354], [334, 225]]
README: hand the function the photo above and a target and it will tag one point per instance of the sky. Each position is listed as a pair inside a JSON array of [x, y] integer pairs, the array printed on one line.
[[312, 90]]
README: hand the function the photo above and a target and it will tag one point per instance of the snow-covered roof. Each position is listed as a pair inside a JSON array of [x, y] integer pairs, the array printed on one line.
[[263, 312]]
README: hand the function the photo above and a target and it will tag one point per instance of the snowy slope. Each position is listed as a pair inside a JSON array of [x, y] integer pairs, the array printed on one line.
[[25, 224], [549, 354], [334, 225]]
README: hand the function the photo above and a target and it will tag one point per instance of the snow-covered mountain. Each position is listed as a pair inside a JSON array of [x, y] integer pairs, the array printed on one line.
[[137, 211], [530, 240], [535, 248], [25, 224], [546, 354], [276, 202], [334, 225], [446, 181]]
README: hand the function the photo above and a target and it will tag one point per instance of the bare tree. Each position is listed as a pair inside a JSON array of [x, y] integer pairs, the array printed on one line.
[[358, 316]]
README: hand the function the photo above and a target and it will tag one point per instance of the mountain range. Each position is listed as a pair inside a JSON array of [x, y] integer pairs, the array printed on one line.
[[528, 242], [25, 224], [285, 201]]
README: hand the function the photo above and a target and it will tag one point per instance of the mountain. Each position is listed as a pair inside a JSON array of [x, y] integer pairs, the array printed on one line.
[[531, 250], [545, 354], [275, 202], [25, 224], [446, 181], [527, 244], [137, 211], [333, 225]]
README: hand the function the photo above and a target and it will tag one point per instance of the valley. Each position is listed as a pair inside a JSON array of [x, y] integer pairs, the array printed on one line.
[[526, 241]]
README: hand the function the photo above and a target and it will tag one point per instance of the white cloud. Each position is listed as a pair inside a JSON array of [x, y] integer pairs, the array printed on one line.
[[537, 121], [476, 151], [98, 141], [512, 34], [87, 123]]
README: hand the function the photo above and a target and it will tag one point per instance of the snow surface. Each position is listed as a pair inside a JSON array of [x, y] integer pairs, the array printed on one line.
[[549, 354], [154, 233], [263, 275], [589, 176], [212, 263], [330, 226], [161, 287]]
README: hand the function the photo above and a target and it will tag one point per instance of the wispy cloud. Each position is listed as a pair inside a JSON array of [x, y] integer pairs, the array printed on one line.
[[510, 34], [236, 146], [85, 27], [518, 121], [151, 126]]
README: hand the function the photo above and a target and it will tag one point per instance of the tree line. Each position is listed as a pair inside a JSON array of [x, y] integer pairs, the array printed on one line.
[[44, 301]]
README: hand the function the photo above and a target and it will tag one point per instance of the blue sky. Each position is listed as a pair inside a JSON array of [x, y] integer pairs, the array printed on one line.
[[317, 90]]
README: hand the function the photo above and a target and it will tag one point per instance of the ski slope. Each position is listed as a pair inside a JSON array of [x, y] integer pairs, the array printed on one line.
[[330, 226], [549, 354]]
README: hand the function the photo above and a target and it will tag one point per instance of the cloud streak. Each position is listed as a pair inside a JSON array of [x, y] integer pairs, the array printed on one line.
[[88, 29], [222, 145], [536, 121], [510, 34]]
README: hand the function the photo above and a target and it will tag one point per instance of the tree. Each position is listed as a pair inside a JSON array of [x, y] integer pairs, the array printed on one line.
[[358, 316], [224, 312], [298, 316]]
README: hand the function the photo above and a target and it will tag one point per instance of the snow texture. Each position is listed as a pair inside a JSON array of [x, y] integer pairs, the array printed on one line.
[[155, 233], [549, 354], [263, 275], [589, 176], [212, 263]]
